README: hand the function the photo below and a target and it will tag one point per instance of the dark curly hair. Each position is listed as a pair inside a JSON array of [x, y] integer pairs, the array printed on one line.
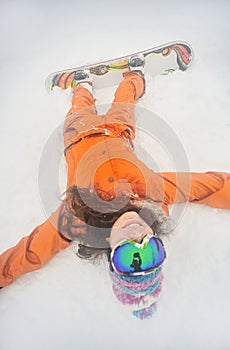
[[97, 217]]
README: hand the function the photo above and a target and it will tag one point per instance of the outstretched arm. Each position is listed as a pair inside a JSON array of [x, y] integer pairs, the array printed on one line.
[[210, 188], [32, 252]]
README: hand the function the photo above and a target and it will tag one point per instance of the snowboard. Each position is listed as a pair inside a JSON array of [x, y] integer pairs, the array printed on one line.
[[162, 59]]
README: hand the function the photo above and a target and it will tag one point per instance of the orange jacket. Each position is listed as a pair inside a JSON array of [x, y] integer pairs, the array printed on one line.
[[100, 156]]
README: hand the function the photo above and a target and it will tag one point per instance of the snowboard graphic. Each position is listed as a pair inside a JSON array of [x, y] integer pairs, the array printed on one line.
[[163, 59]]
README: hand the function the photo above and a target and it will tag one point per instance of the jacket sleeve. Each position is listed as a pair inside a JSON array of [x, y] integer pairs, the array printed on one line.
[[210, 188], [31, 252]]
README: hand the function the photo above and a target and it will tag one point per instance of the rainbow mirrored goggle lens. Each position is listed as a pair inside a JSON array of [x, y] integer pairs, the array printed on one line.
[[132, 258]]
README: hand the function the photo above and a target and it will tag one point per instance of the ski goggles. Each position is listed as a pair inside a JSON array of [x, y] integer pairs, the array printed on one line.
[[133, 259]]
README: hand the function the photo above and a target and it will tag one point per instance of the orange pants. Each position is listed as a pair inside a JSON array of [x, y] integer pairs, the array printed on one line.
[[82, 118]]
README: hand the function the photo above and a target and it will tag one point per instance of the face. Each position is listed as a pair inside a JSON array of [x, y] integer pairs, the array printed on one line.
[[128, 226]]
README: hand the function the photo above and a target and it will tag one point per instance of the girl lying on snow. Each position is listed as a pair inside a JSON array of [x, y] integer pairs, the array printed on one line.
[[114, 204]]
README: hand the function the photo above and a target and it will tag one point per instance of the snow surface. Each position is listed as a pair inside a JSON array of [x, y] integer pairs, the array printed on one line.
[[69, 303]]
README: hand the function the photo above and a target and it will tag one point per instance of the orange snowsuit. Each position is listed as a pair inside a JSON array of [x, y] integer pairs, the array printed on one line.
[[100, 155]]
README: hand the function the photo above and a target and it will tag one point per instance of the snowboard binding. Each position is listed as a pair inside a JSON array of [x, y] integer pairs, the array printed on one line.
[[81, 76], [137, 63]]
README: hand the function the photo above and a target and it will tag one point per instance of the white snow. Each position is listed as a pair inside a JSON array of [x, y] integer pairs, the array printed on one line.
[[69, 303]]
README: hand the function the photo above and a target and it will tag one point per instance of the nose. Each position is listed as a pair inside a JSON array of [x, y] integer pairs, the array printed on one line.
[[140, 238]]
